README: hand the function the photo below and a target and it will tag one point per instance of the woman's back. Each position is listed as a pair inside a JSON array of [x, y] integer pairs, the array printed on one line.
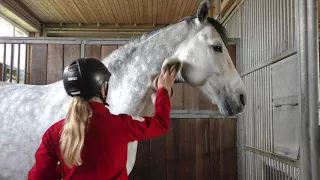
[[104, 153], [91, 143]]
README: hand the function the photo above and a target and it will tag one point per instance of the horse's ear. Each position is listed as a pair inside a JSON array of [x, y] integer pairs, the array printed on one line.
[[203, 11]]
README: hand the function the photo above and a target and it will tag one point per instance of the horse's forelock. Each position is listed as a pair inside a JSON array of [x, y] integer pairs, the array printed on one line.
[[218, 26]]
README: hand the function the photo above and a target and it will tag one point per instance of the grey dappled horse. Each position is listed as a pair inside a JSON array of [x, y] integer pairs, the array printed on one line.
[[196, 43]]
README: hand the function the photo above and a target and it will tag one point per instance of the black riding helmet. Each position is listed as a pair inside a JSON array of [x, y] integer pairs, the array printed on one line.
[[84, 77]]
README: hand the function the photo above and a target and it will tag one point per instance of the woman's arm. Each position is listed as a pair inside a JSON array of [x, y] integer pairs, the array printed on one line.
[[139, 128]]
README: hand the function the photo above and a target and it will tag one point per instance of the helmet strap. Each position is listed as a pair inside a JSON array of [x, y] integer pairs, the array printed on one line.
[[106, 93]]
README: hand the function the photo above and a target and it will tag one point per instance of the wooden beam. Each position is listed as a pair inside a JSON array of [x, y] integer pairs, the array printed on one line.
[[100, 27], [16, 12]]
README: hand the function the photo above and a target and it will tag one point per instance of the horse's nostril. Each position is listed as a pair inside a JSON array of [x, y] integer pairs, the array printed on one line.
[[242, 100]]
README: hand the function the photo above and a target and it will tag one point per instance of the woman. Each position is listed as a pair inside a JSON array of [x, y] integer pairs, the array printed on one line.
[[91, 143]]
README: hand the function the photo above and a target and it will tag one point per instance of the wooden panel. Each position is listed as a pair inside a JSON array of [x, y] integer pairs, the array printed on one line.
[[127, 10], [111, 11], [55, 62], [173, 135], [84, 11], [93, 51], [141, 169], [214, 149], [150, 11], [38, 73], [106, 50], [226, 6], [89, 6], [177, 98], [187, 135], [95, 6], [233, 53], [71, 52], [183, 8], [158, 158], [187, 149], [228, 149], [202, 149], [173, 150]]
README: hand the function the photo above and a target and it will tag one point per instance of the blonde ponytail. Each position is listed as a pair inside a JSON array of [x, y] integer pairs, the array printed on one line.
[[72, 136]]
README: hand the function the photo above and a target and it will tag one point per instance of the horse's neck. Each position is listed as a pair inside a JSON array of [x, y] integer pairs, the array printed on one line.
[[132, 65]]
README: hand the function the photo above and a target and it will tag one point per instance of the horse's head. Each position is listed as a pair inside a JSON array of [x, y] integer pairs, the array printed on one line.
[[207, 65]]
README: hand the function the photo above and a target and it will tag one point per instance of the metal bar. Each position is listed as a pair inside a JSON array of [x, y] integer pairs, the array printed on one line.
[[4, 67], [313, 77], [101, 27], [117, 42], [82, 49], [11, 62], [26, 64], [286, 160], [39, 41], [55, 40], [308, 70], [275, 59], [194, 114], [225, 19], [18, 73], [113, 32]]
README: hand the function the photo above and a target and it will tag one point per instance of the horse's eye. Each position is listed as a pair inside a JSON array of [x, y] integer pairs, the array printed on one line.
[[217, 48]]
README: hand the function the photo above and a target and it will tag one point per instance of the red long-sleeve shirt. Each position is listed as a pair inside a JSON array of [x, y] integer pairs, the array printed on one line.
[[104, 154]]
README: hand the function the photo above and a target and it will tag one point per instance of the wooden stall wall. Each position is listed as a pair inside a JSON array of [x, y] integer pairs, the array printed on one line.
[[193, 149], [47, 61]]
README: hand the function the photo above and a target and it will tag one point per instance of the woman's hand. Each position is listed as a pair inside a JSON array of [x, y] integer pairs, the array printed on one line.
[[166, 79]]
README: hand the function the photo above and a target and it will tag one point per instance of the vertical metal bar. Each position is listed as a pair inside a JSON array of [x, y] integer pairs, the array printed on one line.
[[313, 80], [4, 67], [283, 171], [11, 62], [249, 125], [246, 125], [273, 169], [308, 69], [260, 116], [281, 27], [26, 63], [293, 24], [286, 24], [18, 69], [278, 29], [82, 49]]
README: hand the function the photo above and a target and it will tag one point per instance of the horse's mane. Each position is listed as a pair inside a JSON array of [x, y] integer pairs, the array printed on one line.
[[130, 47], [218, 26]]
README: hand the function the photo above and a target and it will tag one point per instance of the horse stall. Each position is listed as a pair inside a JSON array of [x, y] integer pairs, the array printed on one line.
[[201, 143], [273, 45]]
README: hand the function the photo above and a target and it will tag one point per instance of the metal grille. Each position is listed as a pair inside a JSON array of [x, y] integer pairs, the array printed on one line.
[[266, 29], [260, 167]]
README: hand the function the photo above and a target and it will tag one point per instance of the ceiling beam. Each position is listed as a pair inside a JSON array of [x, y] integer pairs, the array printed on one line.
[[100, 27], [19, 14]]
